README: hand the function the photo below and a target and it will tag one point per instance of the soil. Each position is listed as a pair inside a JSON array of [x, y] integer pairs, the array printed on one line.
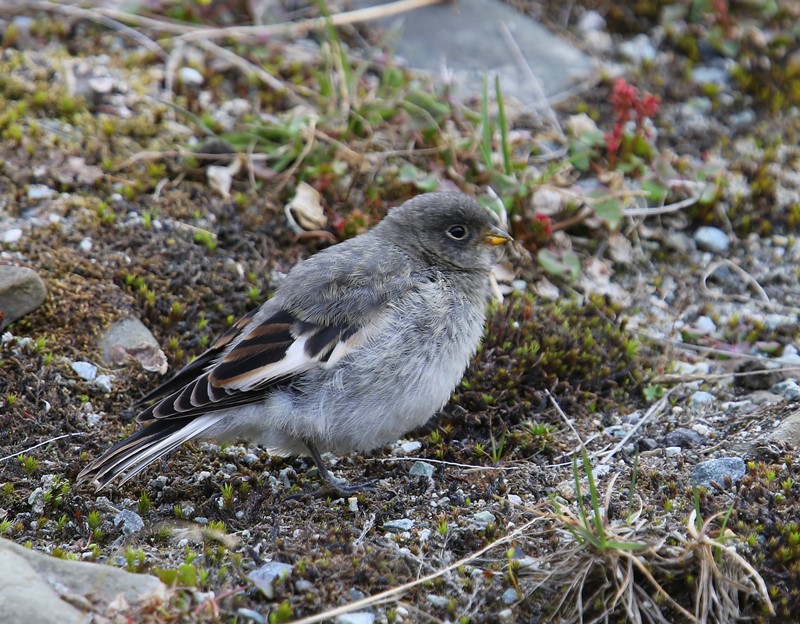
[[559, 483]]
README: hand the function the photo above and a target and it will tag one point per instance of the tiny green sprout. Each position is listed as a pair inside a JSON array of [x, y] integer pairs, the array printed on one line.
[[203, 574], [770, 475], [134, 559], [8, 489], [177, 510], [109, 126], [147, 219], [93, 519], [188, 555], [435, 437], [227, 495], [206, 238], [47, 359], [283, 613], [39, 98], [62, 522], [254, 293], [156, 170], [144, 504], [203, 341], [11, 399], [442, 527], [230, 319], [202, 322], [67, 105], [14, 132], [39, 345], [29, 464], [5, 526], [176, 309], [105, 213], [240, 199], [244, 489], [787, 484]]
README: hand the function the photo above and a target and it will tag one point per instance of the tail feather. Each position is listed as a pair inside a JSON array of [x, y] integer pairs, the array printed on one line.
[[129, 457]]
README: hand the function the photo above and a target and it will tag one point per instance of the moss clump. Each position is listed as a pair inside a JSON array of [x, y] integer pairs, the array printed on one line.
[[579, 352]]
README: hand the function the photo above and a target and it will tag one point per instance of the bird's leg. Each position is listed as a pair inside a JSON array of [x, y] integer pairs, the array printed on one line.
[[340, 486]]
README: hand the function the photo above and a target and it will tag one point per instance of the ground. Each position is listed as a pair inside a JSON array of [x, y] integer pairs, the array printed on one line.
[[149, 177]]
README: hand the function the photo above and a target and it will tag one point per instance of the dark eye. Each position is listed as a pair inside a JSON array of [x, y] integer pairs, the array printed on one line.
[[457, 232]]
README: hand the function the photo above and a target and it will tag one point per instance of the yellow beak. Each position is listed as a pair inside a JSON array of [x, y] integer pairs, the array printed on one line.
[[496, 236]]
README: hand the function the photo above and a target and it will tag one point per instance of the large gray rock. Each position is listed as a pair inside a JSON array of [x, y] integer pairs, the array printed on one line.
[[21, 291], [33, 587], [476, 37]]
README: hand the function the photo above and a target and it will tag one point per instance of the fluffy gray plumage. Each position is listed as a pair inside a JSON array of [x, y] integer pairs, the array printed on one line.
[[361, 343]]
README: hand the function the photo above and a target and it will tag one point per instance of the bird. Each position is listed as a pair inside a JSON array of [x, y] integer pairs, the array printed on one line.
[[361, 343]]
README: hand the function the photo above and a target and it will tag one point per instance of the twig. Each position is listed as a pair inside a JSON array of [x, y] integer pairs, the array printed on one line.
[[657, 407], [30, 448], [390, 594], [536, 84], [737, 269], [304, 26], [96, 16], [564, 417], [678, 378], [655, 211], [468, 467]]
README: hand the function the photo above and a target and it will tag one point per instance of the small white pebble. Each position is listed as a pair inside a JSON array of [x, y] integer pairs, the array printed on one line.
[[12, 236]]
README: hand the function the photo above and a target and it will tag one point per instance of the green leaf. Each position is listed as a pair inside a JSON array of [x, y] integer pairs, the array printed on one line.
[[656, 192], [187, 575], [610, 211], [426, 182], [564, 263]]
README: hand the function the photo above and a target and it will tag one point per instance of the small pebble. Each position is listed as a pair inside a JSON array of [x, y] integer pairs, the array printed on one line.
[[437, 601], [357, 617], [683, 438], [638, 49], [103, 383], [591, 21], [788, 389], [398, 526], [705, 325], [85, 370], [421, 469], [712, 239], [672, 451], [130, 522], [482, 518], [12, 236], [190, 76], [264, 577], [40, 191], [702, 399], [510, 596], [411, 447], [716, 470]]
